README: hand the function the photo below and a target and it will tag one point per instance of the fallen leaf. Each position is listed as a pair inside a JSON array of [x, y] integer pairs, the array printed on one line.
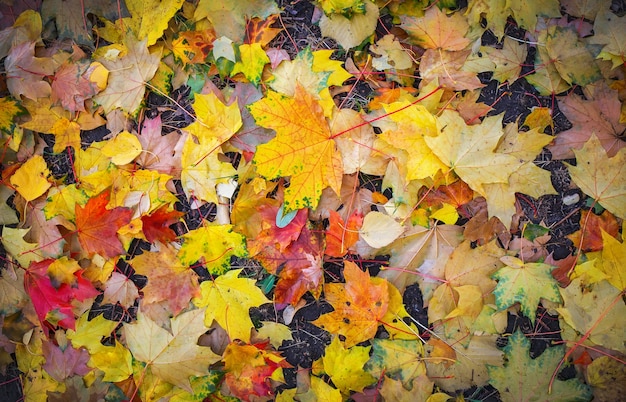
[[359, 306], [302, 149], [97, 226], [526, 378], [344, 365], [524, 283], [230, 298], [601, 177], [171, 356]]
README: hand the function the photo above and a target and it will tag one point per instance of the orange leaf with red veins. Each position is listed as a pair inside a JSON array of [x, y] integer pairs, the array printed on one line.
[[341, 236], [298, 266], [592, 224], [249, 369], [25, 72], [169, 282], [55, 304], [273, 236], [359, 305], [156, 225], [97, 226]]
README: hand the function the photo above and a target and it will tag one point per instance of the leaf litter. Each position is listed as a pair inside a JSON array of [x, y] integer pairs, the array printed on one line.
[[303, 200]]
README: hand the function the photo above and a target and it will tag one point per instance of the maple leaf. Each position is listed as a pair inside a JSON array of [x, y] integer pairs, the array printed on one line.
[[128, 76], [599, 116], [526, 12], [120, 289], [253, 59], [613, 254], [249, 368], [360, 304], [525, 283], [192, 47], [171, 356], [213, 245], [170, 283], [397, 359], [344, 365], [591, 238], [161, 152], [150, 18], [447, 67], [523, 378], [31, 179], [9, 110], [571, 57], [55, 304], [156, 224], [48, 118], [97, 226], [413, 124], [63, 363], [609, 31], [229, 18], [25, 72], [350, 32], [302, 149], [230, 299], [601, 177], [437, 30], [507, 61], [340, 236], [595, 310], [76, 81], [470, 150]]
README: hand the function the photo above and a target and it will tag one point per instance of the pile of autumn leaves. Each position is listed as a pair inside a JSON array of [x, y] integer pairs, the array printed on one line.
[[301, 157]]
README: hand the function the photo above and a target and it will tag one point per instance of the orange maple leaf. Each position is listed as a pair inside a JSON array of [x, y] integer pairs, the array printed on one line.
[[97, 226], [360, 304], [341, 236]]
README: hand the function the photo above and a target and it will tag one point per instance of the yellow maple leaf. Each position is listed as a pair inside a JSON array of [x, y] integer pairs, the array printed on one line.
[[128, 76], [230, 299], [172, 356], [150, 18], [31, 179], [214, 245], [414, 124], [303, 148], [613, 257], [601, 177], [345, 366], [123, 148], [470, 150], [253, 59], [214, 119], [437, 30]]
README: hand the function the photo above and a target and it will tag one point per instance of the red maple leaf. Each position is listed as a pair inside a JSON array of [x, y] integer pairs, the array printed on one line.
[[156, 225], [97, 226], [46, 298]]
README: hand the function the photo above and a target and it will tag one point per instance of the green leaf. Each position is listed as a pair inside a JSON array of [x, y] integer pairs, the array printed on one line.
[[526, 379]]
